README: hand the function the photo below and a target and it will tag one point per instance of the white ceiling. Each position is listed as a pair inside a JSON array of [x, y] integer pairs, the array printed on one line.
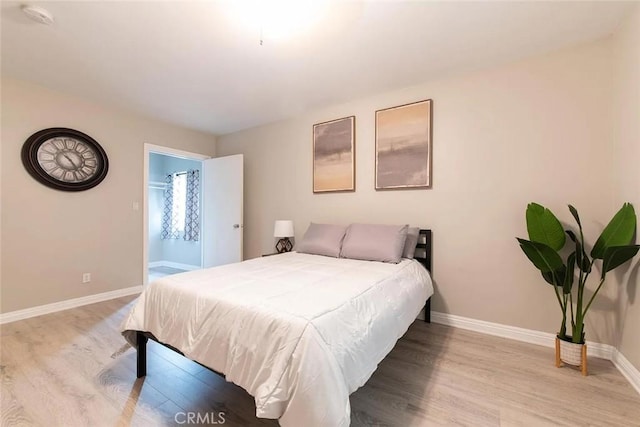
[[193, 64]]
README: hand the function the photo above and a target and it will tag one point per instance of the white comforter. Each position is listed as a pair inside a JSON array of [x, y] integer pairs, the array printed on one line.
[[299, 332]]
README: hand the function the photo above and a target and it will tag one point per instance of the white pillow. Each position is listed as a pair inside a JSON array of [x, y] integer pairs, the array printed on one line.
[[410, 244], [322, 239], [374, 242]]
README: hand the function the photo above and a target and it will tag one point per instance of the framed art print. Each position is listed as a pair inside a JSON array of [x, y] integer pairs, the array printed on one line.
[[334, 155], [403, 146]]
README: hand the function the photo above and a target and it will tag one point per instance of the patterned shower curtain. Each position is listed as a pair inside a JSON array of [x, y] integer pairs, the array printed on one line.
[[192, 207]]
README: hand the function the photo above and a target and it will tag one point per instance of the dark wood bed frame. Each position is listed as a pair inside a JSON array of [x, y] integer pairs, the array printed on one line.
[[423, 255]]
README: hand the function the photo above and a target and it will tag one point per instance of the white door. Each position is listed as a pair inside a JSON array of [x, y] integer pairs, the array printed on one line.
[[222, 222]]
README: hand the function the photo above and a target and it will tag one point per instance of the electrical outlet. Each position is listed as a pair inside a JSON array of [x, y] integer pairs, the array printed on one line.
[[86, 277]]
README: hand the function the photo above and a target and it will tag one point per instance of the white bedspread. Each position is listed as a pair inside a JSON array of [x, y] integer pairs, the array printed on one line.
[[299, 332]]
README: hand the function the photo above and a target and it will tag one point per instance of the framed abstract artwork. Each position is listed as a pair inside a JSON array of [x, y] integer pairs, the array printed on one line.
[[334, 155], [403, 146]]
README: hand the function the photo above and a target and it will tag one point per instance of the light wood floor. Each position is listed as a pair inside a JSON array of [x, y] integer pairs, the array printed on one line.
[[73, 369]]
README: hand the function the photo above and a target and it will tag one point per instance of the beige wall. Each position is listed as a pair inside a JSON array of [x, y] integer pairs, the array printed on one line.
[[538, 130], [626, 171], [49, 237]]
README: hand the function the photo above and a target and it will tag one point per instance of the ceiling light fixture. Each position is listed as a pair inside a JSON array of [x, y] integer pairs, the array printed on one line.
[[38, 14]]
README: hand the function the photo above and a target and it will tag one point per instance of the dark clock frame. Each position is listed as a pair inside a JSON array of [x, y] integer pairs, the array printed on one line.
[[31, 164]]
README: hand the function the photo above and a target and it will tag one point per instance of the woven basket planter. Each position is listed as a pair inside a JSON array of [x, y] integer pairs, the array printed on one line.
[[571, 354]]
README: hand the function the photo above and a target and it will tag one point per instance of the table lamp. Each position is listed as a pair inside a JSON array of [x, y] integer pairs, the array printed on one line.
[[283, 229]]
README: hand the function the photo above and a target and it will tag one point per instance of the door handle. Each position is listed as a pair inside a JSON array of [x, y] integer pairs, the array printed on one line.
[[236, 225]]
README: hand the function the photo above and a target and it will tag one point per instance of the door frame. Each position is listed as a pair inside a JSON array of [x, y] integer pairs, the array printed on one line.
[[157, 149]]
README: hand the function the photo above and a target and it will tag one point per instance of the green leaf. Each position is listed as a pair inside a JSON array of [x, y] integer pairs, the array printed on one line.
[[582, 260], [617, 255], [574, 212], [555, 278], [542, 256], [548, 277], [568, 278], [544, 227], [619, 231]]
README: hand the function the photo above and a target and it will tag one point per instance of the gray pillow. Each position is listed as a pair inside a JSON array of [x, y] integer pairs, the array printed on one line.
[[322, 239], [411, 242], [373, 242]]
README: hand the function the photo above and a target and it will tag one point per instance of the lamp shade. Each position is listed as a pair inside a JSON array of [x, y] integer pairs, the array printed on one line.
[[283, 228]]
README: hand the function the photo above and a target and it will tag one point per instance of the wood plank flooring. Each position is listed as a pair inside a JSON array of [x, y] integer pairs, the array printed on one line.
[[73, 368]]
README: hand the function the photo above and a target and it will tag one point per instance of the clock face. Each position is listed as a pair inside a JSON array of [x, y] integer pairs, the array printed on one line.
[[65, 159]]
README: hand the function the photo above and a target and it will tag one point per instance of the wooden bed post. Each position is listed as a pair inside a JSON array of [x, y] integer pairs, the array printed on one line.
[[141, 342]]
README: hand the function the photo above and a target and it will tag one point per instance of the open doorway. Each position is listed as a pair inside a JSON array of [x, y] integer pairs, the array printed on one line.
[[173, 211]]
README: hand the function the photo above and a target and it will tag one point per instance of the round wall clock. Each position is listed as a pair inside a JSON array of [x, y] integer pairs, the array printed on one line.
[[65, 159]]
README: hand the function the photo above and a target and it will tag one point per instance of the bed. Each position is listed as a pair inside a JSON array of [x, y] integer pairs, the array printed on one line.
[[299, 332]]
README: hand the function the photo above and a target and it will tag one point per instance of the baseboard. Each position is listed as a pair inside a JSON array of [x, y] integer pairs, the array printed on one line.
[[13, 316], [603, 351], [627, 369], [496, 329], [180, 266]]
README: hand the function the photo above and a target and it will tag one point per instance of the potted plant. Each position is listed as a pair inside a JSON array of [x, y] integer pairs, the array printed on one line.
[[547, 238]]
